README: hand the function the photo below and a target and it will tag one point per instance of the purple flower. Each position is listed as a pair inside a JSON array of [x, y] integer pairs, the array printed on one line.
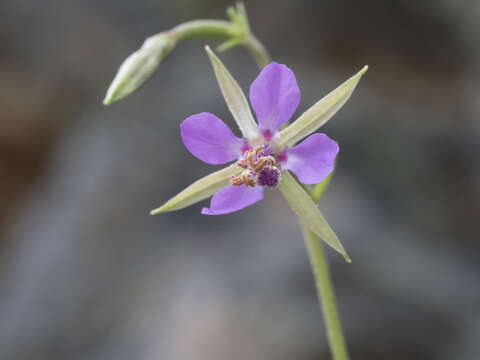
[[263, 156]]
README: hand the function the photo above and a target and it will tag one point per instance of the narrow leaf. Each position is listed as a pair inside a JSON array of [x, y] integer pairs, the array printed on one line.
[[199, 190], [308, 212], [320, 112], [234, 97]]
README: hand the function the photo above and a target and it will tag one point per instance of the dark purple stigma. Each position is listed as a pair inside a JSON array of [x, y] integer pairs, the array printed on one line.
[[269, 177]]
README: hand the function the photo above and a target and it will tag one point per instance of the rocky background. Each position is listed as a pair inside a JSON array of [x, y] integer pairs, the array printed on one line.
[[87, 274]]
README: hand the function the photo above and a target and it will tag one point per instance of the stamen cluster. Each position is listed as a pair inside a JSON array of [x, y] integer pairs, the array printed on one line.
[[260, 168]]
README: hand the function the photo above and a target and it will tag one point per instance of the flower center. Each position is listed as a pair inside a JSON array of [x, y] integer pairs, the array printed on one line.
[[260, 166]]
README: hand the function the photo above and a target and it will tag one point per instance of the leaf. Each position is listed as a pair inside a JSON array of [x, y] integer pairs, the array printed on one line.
[[199, 190], [320, 112], [234, 97], [308, 212]]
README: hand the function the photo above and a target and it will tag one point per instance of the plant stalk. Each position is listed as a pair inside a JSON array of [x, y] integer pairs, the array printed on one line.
[[221, 30], [326, 295]]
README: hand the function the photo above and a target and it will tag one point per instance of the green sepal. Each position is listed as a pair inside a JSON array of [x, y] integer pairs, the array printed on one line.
[[234, 97], [200, 190], [320, 112], [308, 212]]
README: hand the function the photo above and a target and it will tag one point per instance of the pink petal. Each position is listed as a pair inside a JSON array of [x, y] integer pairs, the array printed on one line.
[[312, 160], [210, 139], [233, 198], [274, 96]]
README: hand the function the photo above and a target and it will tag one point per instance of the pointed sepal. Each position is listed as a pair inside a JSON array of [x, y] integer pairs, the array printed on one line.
[[320, 112], [308, 212], [234, 97], [200, 190]]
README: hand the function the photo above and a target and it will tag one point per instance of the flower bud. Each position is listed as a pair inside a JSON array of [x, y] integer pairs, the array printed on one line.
[[139, 67]]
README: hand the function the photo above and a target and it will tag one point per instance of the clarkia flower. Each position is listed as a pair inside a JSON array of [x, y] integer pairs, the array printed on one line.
[[274, 96], [264, 155]]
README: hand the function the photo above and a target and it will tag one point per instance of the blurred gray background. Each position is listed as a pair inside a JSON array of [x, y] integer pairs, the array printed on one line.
[[86, 273]]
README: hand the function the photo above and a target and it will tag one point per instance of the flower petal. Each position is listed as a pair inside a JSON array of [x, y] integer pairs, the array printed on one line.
[[308, 212], [210, 139], [313, 159], [274, 96], [200, 189], [233, 198], [234, 97], [320, 112]]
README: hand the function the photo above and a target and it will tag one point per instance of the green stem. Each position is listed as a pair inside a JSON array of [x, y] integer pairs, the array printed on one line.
[[323, 282], [221, 30], [326, 296], [203, 28], [257, 50]]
